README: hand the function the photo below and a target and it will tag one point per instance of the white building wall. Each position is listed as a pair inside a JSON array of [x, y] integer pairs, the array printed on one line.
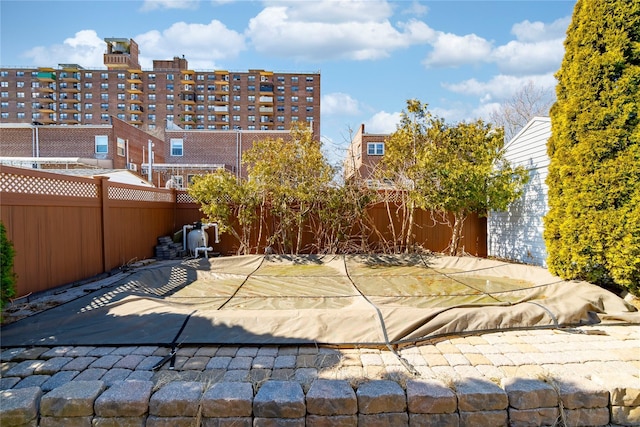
[[517, 234]]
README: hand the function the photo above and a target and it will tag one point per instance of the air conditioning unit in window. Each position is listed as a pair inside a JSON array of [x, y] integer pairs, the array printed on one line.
[[132, 167]]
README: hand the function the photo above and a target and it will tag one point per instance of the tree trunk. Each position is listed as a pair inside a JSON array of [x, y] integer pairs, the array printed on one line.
[[456, 236]]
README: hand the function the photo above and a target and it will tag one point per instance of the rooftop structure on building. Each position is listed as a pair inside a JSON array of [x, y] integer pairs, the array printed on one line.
[[169, 96]]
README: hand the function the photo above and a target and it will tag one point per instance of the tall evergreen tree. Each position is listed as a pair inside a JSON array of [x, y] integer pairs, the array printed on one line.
[[592, 230]]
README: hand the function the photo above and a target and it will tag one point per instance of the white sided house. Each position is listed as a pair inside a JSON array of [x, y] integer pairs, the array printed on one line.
[[517, 233]]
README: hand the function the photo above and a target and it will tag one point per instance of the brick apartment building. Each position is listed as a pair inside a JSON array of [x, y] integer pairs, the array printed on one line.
[[201, 119], [170, 93]]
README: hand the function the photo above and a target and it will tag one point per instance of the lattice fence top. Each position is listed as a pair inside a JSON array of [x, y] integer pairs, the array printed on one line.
[[26, 184], [184, 198], [139, 195]]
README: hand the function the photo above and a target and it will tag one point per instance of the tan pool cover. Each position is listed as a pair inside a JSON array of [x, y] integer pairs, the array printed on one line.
[[332, 299]]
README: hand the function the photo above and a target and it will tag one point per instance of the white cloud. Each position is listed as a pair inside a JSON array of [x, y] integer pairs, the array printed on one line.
[[201, 44], [500, 87], [148, 5], [339, 103], [383, 122], [527, 31], [331, 30], [451, 50], [529, 58], [335, 11], [85, 49]]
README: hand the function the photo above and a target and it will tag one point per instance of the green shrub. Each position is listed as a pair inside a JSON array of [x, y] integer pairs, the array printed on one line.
[[592, 229], [8, 285]]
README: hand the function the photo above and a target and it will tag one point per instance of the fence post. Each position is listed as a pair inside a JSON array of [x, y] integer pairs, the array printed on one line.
[[103, 194]]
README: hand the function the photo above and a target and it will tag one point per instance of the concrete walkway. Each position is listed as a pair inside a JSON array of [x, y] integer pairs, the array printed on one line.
[[579, 377]]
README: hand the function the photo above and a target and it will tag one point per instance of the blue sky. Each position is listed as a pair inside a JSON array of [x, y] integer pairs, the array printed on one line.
[[462, 58]]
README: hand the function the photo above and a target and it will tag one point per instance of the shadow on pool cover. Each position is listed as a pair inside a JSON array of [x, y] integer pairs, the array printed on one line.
[[332, 299]]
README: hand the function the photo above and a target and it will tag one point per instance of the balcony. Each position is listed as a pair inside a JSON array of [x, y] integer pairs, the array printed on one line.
[[134, 88], [47, 76], [135, 76]]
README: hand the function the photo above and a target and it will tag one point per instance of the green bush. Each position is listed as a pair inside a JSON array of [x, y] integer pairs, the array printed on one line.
[[8, 285], [592, 229]]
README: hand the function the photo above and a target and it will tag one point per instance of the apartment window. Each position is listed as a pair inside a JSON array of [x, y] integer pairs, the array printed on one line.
[[251, 107], [251, 88], [294, 88], [294, 118], [251, 78], [152, 117], [177, 146], [236, 108], [169, 76], [280, 98], [21, 115], [5, 115], [309, 78], [375, 148], [170, 107], [19, 84], [309, 119], [280, 119], [104, 76], [121, 107], [88, 106], [151, 107], [170, 117], [88, 75], [200, 88], [88, 85], [121, 116], [20, 104], [4, 104], [104, 96], [121, 96], [88, 95], [235, 97], [251, 98], [20, 95], [280, 88], [294, 79], [151, 76], [200, 77], [88, 116], [104, 116], [4, 74], [294, 108], [120, 86], [4, 94], [309, 89], [170, 97], [120, 147], [104, 106], [236, 88], [121, 76], [251, 119], [152, 96], [236, 77], [104, 86], [309, 108], [236, 118], [102, 144], [294, 99], [309, 98], [35, 84], [280, 79], [169, 86]]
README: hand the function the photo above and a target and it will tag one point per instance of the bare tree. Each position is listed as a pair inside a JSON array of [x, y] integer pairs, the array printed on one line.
[[528, 102]]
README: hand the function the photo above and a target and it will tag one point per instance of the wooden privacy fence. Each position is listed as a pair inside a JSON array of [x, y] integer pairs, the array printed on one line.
[[65, 229]]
